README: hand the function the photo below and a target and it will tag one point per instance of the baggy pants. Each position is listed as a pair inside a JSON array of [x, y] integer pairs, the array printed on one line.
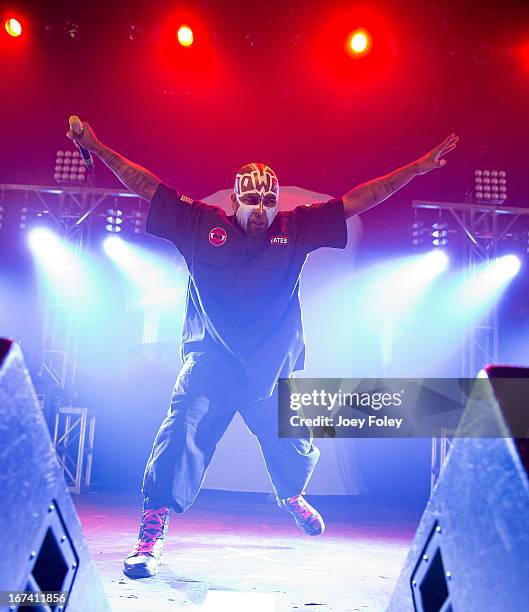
[[206, 396]]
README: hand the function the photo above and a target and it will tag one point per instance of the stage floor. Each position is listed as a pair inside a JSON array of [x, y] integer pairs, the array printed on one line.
[[239, 552]]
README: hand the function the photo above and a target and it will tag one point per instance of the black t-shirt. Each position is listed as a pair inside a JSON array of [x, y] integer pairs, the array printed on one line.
[[243, 292]]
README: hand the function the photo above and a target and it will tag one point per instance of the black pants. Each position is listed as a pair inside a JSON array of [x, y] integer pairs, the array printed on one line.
[[206, 396]]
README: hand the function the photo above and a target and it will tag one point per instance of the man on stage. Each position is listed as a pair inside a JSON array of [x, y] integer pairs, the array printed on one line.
[[242, 328]]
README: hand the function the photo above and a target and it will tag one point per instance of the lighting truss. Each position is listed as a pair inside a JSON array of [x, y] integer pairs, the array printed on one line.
[[481, 229], [70, 211]]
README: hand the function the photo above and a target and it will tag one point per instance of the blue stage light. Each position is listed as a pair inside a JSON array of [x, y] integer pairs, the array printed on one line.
[[436, 261], [440, 234], [114, 247], [114, 220], [42, 240], [506, 267], [63, 272]]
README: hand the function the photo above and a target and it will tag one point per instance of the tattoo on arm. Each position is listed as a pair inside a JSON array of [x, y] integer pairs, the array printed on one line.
[[373, 192], [139, 180], [383, 188]]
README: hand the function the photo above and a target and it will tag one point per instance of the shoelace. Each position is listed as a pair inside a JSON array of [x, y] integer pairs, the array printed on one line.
[[299, 506], [153, 523]]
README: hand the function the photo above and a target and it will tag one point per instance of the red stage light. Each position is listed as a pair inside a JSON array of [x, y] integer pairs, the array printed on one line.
[[13, 27], [524, 55], [185, 36], [358, 43]]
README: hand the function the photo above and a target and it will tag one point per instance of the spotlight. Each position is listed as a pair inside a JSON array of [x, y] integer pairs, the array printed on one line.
[[64, 273], [114, 220], [69, 168], [71, 29], [13, 27], [417, 233], [114, 246], [138, 221], [133, 31], [440, 234], [523, 52], [42, 240], [358, 43], [490, 185], [437, 261], [507, 266], [185, 36], [23, 222], [250, 40]]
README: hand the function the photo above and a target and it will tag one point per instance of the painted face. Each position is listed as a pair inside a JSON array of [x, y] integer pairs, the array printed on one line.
[[256, 189]]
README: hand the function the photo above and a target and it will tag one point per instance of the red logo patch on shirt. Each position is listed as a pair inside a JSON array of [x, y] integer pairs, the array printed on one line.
[[218, 236], [279, 240]]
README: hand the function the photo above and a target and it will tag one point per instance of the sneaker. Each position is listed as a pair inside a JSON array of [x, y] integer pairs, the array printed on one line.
[[144, 559], [307, 518]]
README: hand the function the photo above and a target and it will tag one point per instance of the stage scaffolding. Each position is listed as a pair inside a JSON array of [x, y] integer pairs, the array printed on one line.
[[69, 211], [482, 230]]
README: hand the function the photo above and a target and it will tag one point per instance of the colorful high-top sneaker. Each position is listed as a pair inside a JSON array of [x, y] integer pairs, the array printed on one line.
[[307, 518], [144, 559]]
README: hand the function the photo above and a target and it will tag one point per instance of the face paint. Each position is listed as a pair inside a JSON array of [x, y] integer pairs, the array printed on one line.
[[259, 182]]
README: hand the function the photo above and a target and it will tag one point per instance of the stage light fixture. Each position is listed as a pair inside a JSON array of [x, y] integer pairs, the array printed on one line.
[[13, 27], [69, 168], [185, 36], [523, 52], [358, 43], [23, 222], [138, 221], [417, 233], [43, 241], [440, 234], [133, 31], [114, 220], [507, 266], [1, 217], [490, 186], [114, 246], [72, 30], [250, 40], [437, 261]]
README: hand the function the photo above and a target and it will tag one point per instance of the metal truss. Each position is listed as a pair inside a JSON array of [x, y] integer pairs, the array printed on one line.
[[73, 438], [440, 448], [482, 229], [70, 210]]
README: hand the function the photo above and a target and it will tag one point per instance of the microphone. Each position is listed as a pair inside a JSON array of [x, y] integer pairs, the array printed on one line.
[[76, 127]]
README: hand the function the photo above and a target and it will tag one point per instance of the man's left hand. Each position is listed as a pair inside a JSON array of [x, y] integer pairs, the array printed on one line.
[[435, 158]]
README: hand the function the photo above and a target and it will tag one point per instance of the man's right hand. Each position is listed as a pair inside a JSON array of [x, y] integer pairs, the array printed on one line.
[[86, 138], [139, 180]]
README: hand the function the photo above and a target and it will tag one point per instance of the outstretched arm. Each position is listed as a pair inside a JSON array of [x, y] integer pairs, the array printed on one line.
[[373, 192], [139, 180]]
